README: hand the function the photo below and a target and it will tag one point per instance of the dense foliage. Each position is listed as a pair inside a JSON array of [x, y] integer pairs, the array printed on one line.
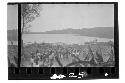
[[12, 55], [62, 55]]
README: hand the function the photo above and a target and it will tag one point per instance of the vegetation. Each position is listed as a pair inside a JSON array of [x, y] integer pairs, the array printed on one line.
[[98, 54], [12, 55], [28, 13]]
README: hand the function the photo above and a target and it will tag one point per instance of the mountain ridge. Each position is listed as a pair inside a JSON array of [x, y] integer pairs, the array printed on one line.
[[101, 32], [12, 35]]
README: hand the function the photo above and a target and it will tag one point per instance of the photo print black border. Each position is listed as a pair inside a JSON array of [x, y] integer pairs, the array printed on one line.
[[44, 73]]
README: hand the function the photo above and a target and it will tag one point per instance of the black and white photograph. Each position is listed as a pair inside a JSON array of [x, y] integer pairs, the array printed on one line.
[[64, 39], [66, 35]]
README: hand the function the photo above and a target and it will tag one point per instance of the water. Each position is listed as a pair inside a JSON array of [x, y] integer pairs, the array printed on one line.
[[64, 38], [12, 42]]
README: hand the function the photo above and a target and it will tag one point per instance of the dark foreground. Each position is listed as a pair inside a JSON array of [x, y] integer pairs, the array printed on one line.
[[94, 54], [12, 55]]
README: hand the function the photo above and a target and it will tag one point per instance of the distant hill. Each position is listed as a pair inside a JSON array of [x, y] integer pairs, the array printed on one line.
[[12, 35], [102, 32]]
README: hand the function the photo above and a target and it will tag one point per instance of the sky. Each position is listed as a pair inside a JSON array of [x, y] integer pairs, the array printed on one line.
[[63, 16], [75, 16], [12, 17]]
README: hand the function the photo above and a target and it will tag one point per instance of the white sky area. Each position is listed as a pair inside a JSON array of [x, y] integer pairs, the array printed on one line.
[[12, 17], [75, 16], [63, 16]]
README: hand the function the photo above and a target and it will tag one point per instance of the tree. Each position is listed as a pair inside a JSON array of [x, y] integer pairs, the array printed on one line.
[[28, 13]]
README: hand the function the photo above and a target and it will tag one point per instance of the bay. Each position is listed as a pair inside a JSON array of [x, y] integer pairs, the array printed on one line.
[[63, 38], [12, 42]]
